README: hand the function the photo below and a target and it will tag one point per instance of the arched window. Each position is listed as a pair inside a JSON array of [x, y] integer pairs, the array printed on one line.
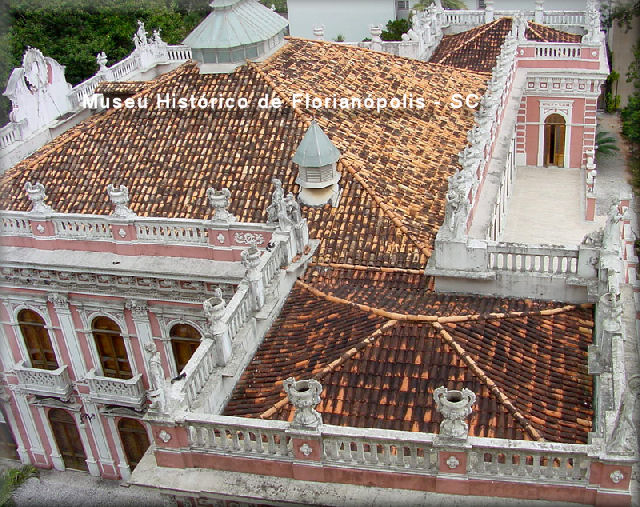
[[185, 339], [37, 340], [111, 348]]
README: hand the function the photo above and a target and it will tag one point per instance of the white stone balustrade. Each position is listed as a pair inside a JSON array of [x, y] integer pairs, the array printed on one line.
[[559, 51], [44, 382], [9, 134], [379, 449], [529, 461], [238, 310], [172, 231], [389, 450], [532, 258], [109, 390], [82, 227], [197, 372], [270, 264], [12, 224], [238, 435]]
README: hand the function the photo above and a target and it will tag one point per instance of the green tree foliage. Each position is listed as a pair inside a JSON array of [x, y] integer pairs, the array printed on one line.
[[606, 144], [395, 29], [11, 480]]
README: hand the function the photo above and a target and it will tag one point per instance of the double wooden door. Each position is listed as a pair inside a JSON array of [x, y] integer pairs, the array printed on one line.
[[68, 439]]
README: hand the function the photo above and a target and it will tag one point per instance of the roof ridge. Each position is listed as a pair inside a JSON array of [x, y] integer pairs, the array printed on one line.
[[360, 267], [507, 315], [373, 337], [304, 116], [485, 28], [530, 26], [365, 308], [479, 372], [432, 318], [79, 129]]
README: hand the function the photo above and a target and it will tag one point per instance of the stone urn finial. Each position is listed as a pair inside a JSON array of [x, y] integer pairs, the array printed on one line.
[[37, 195], [120, 198], [318, 32], [304, 396], [454, 406], [219, 201]]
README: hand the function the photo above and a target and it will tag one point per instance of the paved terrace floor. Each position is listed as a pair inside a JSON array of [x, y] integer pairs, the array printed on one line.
[[547, 207]]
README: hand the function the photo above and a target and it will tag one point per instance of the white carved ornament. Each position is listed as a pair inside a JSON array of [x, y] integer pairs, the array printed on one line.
[[247, 238]]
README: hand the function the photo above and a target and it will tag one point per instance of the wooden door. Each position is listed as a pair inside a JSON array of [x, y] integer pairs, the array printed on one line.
[[68, 439], [134, 440], [554, 137], [37, 340], [111, 349], [185, 339]]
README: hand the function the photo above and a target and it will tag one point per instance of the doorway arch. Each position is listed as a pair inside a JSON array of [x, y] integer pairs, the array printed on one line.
[[555, 131], [65, 433], [135, 440]]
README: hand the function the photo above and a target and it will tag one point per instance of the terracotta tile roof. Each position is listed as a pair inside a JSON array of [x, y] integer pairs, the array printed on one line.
[[543, 33], [394, 167], [527, 367], [407, 292], [475, 49], [121, 88], [478, 48]]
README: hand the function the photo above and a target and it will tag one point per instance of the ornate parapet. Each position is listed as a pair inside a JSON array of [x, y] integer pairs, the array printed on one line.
[[519, 468], [56, 383]]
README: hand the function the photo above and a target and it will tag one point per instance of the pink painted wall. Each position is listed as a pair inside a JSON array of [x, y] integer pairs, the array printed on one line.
[[532, 139]]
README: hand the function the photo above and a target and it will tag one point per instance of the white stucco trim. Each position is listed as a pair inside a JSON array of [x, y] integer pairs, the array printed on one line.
[[564, 108]]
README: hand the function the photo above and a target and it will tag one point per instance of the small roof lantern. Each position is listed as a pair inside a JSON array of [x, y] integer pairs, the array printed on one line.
[[318, 178]]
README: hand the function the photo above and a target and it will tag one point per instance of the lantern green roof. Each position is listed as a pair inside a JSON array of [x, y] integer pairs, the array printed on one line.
[[234, 23], [315, 149]]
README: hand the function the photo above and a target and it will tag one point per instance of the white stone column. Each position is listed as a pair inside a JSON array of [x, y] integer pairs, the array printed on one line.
[[251, 260], [92, 465], [488, 11], [214, 309], [61, 304], [123, 465], [15, 430], [24, 411], [140, 314], [56, 457], [539, 11]]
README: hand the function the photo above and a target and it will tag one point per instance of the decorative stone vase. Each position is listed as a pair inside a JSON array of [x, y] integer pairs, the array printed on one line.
[[454, 406], [305, 396]]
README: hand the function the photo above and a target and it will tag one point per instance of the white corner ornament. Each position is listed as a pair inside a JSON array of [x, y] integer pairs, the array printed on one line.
[[452, 462], [219, 200], [306, 449], [37, 195], [120, 198], [304, 396], [616, 476], [454, 406], [164, 436]]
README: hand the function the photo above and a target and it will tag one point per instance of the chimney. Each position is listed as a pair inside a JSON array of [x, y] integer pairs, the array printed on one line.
[[318, 178]]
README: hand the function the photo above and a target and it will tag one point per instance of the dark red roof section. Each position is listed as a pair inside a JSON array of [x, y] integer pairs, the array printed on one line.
[[525, 360], [477, 49]]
